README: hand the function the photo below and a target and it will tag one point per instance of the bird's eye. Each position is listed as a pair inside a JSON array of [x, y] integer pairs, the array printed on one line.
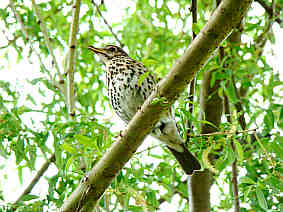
[[112, 49]]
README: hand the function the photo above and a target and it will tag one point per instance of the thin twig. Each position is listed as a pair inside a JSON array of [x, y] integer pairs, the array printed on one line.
[[264, 150], [10, 41], [235, 180], [222, 133], [71, 60], [18, 17], [238, 105], [107, 24], [26, 36], [192, 83], [147, 149], [270, 10], [71, 66], [234, 164], [36, 178], [47, 41]]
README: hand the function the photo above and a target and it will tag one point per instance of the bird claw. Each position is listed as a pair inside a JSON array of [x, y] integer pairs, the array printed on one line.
[[120, 135]]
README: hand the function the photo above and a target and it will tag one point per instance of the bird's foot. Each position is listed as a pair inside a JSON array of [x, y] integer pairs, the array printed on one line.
[[120, 135]]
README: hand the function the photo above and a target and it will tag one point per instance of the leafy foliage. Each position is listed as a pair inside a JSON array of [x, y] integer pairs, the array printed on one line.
[[35, 125]]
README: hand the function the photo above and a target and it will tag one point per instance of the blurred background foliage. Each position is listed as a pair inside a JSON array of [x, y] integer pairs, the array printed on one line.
[[34, 119]]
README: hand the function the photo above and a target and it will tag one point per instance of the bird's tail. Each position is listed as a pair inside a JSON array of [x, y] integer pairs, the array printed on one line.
[[186, 159]]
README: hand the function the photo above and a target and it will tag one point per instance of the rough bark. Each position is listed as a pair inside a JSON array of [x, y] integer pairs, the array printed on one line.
[[94, 184]]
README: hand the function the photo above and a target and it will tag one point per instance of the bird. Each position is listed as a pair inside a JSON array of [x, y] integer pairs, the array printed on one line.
[[129, 83]]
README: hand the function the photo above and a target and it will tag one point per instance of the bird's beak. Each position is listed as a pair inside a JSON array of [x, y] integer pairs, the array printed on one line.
[[96, 50]]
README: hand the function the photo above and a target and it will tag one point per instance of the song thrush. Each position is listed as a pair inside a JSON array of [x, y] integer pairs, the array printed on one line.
[[127, 94]]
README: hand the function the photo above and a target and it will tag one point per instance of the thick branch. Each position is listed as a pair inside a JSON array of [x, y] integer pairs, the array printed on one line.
[[47, 40], [92, 187], [199, 194]]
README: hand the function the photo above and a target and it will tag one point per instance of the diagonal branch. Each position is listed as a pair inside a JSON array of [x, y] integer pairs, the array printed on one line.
[[94, 184], [47, 40], [34, 181], [107, 24], [270, 11], [18, 17]]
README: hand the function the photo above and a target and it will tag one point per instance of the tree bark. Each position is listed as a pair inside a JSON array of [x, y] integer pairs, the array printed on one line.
[[199, 194]]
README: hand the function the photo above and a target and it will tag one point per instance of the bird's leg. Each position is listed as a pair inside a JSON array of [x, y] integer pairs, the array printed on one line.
[[120, 135]]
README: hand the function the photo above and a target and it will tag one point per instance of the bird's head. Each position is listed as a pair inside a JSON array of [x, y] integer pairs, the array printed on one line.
[[108, 52]]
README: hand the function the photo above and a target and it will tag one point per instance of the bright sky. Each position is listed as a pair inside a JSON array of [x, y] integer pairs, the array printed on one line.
[[17, 74]]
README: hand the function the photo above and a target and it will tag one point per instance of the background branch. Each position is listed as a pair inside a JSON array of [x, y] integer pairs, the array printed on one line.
[[270, 10], [18, 17], [45, 166], [71, 60], [234, 164], [192, 84], [107, 24], [35, 180], [47, 40]]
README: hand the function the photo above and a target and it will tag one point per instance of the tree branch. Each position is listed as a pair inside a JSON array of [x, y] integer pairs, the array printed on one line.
[[199, 194], [234, 164], [34, 181], [47, 41], [212, 107], [223, 133], [269, 10], [192, 84], [18, 18], [71, 60], [107, 24], [93, 185]]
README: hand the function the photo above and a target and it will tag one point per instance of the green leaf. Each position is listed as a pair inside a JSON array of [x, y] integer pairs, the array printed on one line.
[[84, 140], [247, 180], [269, 119], [230, 155], [230, 92], [277, 146], [149, 61], [20, 174], [239, 150], [69, 162], [280, 119], [29, 197], [36, 80], [261, 199], [160, 100], [151, 197], [196, 28], [69, 148]]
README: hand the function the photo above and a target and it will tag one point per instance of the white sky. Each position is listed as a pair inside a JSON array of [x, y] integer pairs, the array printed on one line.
[[17, 74]]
